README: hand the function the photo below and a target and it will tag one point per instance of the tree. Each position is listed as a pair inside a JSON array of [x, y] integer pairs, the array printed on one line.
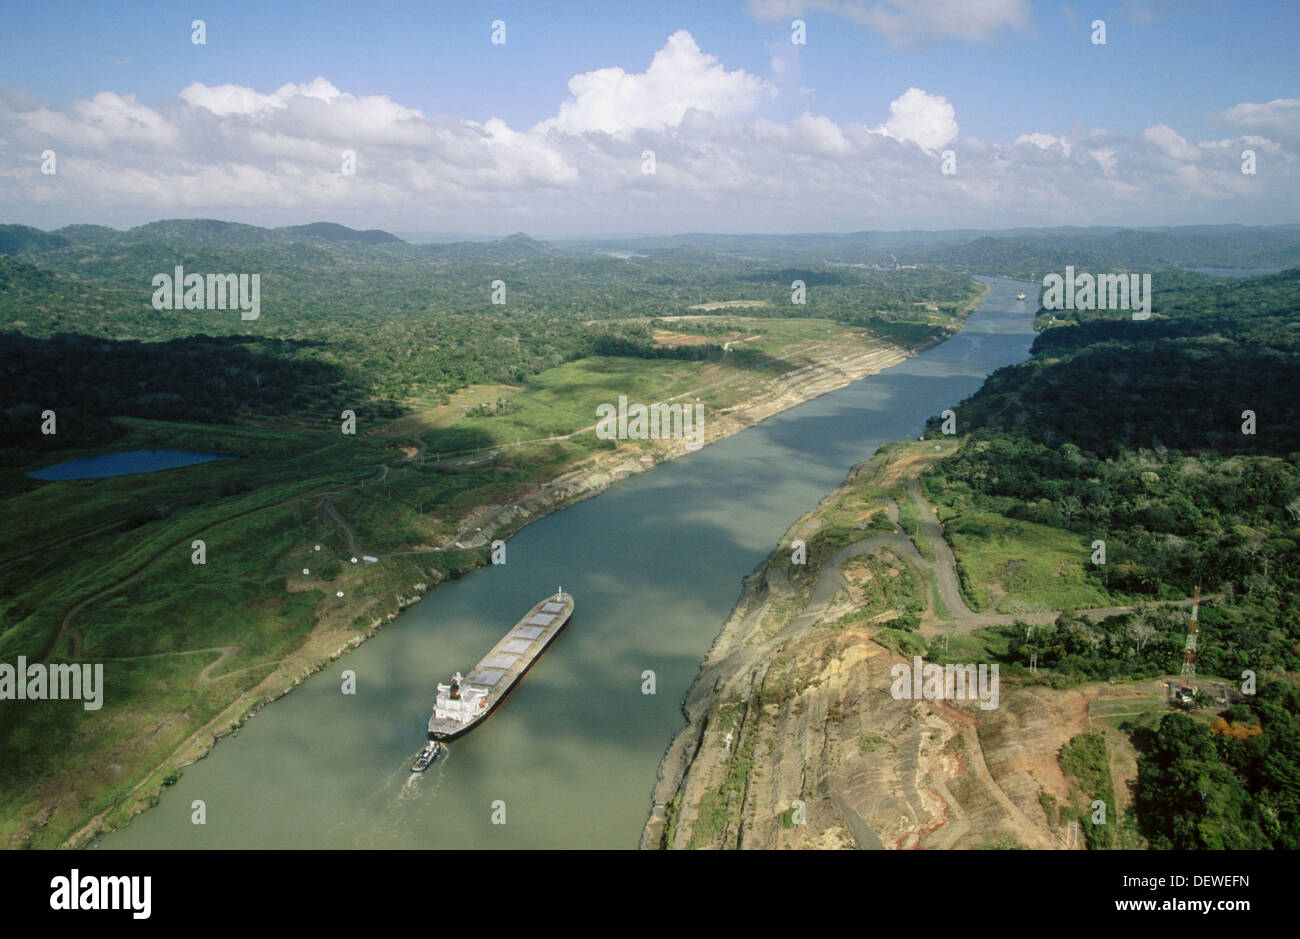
[[1139, 629]]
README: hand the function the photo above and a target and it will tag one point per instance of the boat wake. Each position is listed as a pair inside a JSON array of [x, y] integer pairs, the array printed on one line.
[[382, 820], [417, 784]]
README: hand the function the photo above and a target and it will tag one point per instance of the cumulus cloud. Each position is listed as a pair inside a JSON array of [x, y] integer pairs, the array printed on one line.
[[820, 135], [1278, 119], [1172, 144], [525, 158], [1045, 142], [106, 119], [315, 109], [722, 163], [904, 21], [924, 119], [229, 99], [680, 77]]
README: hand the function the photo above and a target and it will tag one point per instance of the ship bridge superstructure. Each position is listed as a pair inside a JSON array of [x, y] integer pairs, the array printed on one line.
[[459, 702]]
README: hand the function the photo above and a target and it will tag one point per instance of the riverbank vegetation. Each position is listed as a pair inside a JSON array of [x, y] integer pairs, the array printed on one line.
[[1117, 466]]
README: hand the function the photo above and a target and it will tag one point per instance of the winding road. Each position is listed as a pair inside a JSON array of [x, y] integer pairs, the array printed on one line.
[[830, 580]]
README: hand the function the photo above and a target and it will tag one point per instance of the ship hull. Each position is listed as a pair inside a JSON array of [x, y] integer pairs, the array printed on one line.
[[513, 674]]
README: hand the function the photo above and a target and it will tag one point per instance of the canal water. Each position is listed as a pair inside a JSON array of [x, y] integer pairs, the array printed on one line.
[[655, 566]]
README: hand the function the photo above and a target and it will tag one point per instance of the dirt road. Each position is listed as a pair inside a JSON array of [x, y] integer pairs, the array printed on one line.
[[944, 571]]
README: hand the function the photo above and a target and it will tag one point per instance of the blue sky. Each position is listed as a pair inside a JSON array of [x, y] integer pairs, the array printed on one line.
[[1008, 70]]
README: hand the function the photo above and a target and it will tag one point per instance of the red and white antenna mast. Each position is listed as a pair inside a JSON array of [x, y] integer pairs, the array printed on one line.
[[1189, 651]]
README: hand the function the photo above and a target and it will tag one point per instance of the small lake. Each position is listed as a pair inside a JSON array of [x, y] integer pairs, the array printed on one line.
[[122, 464]]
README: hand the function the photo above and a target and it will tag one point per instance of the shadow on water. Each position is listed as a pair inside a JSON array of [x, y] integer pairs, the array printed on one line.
[[655, 565]]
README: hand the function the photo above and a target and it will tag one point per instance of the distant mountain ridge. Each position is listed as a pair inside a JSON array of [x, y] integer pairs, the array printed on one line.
[[516, 247], [18, 238], [1023, 253], [1227, 246], [207, 232], [333, 231]]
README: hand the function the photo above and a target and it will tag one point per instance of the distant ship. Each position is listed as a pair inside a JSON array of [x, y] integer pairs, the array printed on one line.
[[467, 701], [1020, 296]]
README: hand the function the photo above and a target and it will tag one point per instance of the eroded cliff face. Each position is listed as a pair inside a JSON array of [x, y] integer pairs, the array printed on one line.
[[795, 741]]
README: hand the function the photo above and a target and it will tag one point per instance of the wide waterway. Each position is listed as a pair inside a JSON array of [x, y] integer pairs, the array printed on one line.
[[655, 566]]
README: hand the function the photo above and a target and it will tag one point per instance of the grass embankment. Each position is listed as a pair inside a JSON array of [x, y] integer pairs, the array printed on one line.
[[1086, 765]]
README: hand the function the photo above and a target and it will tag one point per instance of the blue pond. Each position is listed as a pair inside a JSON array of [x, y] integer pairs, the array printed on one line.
[[121, 464]]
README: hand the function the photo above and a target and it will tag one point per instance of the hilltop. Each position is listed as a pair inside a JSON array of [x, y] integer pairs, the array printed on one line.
[[332, 231]]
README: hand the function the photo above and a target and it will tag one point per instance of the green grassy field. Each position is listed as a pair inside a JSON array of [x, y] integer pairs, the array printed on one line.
[[1009, 565]]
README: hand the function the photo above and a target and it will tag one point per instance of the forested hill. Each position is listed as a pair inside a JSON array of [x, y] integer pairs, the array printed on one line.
[[335, 232], [1133, 431], [1181, 379], [359, 320], [1131, 434]]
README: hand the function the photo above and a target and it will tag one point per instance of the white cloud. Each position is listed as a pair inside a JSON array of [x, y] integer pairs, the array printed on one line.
[[722, 162], [526, 158], [106, 119], [315, 109], [229, 99], [924, 119], [820, 135], [1278, 119], [1045, 142], [236, 99], [1171, 143], [680, 77]]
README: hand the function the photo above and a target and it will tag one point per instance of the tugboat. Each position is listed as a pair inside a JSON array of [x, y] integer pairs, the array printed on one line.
[[430, 753]]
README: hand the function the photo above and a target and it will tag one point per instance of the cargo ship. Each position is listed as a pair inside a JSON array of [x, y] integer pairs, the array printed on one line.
[[467, 701]]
